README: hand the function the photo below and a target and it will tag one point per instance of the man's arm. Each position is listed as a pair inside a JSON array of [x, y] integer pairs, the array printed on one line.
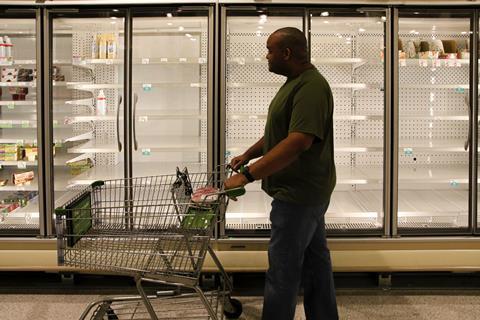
[[283, 154], [253, 152]]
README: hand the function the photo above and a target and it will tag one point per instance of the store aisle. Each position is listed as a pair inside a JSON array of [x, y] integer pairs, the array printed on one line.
[[353, 305]]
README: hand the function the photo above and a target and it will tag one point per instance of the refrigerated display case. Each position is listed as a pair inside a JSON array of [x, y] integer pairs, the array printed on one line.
[[434, 121], [247, 90], [166, 122], [19, 185], [347, 47], [86, 98], [171, 87]]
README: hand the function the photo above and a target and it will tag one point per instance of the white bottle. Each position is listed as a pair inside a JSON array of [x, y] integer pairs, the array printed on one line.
[[3, 57], [94, 48], [101, 104], [112, 47], [102, 47], [8, 48]]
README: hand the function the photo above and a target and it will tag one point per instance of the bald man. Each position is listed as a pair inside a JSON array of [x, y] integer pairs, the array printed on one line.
[[297, 169]]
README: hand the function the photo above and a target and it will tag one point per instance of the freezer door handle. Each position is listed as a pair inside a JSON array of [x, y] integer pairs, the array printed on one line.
[[118, 124], [135, 100]]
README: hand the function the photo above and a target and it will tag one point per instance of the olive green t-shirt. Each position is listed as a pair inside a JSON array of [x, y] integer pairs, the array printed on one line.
[[303, 104]]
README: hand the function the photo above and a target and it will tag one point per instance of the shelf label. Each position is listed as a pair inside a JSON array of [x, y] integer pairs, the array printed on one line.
[[25, 124], [407, 151], [458, 63], [77, 60], [19, 142], [6, 124], [145, 60], [22, 165], [202, 60], [55, 123], [11, 105], [146, 152], [453, 183], [451, 62], [437, 63], [182, 59], [163, 59], [109, 61], [459, 90], [34, 142], [147, 87], [143, 119], [403, 62]]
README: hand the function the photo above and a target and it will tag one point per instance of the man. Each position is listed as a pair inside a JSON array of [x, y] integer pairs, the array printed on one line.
[[297, 169]]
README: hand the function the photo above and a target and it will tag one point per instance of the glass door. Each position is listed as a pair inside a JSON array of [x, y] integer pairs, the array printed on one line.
[[170, 80], [87, 78], [19, 209], [347, 47], [434, 108], [249, 88]]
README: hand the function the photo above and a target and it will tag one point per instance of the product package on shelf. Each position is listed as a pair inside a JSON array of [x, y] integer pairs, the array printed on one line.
[[23, 178], [10, 152], [80, 166]]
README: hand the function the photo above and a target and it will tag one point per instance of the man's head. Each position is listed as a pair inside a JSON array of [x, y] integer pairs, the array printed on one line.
[[287, 49]]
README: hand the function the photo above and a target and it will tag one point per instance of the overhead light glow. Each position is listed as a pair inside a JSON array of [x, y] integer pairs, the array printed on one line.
[[361, 30], [324, 14]]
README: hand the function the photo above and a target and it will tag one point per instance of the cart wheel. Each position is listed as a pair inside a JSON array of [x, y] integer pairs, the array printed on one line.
[[234, 310], [111, 314]]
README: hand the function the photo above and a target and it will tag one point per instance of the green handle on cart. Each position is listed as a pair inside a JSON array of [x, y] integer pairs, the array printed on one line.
[[235, 192]]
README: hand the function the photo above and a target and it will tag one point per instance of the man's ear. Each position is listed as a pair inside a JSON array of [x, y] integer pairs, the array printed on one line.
[[287, 53]]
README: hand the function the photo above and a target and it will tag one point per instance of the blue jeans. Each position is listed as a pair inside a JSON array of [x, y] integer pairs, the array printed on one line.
[[298, 253]]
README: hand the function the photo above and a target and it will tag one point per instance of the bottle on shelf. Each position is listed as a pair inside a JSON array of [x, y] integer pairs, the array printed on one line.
[[102, 47], [8, 48], [111, 46], [95, 47], [3, 56], [101, 104]]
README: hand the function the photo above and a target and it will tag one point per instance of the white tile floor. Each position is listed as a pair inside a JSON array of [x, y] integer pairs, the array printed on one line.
[[392, 305]]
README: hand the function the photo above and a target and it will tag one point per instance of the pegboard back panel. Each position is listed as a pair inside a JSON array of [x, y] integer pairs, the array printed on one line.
[[444, 130], [328, 45], [425, 102]]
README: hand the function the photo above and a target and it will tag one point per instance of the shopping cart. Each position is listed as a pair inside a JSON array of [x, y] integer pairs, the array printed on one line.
[[151, 229]]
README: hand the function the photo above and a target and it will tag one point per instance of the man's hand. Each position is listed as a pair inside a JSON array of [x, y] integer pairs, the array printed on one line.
[[238, 161], [235, 181]]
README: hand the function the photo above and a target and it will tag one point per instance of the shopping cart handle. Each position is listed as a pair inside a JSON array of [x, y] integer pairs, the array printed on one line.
[[235, 192]]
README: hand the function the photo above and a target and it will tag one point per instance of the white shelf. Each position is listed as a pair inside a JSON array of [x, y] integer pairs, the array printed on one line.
[[319, 60], [145, 115], [434, 86], [171, 143], [263, 116], [453, 63], [15, 103], [31, 84], [93, 146], [143, 61], [79, 119], [33, 62], [139, 170], [59, 160], [355, 86]]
